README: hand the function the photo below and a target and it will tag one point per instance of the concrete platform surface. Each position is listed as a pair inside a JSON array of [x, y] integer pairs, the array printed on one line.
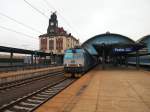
[[104, 91]]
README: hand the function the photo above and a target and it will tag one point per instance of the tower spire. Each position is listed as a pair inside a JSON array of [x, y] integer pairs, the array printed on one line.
[[53, 24]]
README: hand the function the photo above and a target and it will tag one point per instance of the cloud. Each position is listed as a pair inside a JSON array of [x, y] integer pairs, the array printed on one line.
[[87, 18]]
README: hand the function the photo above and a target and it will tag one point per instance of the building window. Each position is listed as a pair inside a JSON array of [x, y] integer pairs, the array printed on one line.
[[43, 44], [51, 44], [59, 44]]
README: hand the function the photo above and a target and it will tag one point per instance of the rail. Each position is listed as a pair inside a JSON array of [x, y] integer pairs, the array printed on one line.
[[32, 101], [21, 82]]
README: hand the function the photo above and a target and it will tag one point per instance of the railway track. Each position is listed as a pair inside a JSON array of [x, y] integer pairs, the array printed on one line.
[[32, 101], [16, 92], [8, 86]]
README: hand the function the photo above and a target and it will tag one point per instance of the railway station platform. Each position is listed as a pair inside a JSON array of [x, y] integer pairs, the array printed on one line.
[[24, 74], [20, 72], [110, 90]]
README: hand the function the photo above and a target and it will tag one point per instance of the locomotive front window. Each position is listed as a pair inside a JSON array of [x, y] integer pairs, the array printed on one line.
[[78, 55], [68, 56], [73, 55]]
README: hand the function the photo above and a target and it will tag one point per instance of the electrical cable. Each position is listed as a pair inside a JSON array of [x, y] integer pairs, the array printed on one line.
[[10, 18], [58, 11], [8, 29], [35, 8]]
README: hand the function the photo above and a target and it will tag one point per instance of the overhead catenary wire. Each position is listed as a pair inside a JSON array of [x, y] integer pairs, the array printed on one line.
[[59, 12], [35, 8], [27, 26], [67, 23], [8, 29]]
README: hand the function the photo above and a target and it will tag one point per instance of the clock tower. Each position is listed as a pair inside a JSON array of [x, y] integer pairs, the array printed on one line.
[[53, 24]]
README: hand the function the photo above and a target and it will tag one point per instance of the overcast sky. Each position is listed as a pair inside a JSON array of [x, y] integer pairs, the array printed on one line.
[[83, 18]]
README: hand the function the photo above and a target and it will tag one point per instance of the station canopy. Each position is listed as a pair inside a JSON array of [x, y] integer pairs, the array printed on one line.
[[111, 44], [22, 51], [146, 41]]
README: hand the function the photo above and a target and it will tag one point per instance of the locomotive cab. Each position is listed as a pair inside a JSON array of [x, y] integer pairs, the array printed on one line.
[[74, 61], [77, 61]]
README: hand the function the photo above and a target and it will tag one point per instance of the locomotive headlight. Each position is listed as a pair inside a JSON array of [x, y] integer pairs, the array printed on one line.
[[66, 65], [79, 65]]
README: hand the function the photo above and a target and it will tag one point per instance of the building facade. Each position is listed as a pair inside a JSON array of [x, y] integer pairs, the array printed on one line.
[[56, 40]]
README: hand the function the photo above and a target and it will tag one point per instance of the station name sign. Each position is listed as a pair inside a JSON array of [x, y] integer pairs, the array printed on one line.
[[122, 50]]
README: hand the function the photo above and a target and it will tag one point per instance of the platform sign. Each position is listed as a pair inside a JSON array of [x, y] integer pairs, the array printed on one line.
[[123, 50]]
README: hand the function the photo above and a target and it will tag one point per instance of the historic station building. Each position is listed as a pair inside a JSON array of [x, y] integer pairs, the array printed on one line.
[[56, 40]]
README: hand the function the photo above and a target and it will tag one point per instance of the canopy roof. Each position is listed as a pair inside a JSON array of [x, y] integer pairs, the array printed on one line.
[[110, 40]]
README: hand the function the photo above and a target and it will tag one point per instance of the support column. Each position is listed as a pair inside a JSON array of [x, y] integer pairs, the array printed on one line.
[[137, 59], [103, 59], [49, 62], [54, 58], [35, 61], [31, 59], [62, 57], [103, 56], [120, 60], [126, 60], [11, 58], [44, 60]]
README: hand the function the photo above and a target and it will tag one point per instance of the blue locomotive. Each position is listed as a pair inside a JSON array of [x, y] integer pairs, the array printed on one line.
[[77, 61]]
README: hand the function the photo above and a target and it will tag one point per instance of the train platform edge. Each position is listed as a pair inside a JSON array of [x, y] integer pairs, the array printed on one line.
[[104, 91]]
